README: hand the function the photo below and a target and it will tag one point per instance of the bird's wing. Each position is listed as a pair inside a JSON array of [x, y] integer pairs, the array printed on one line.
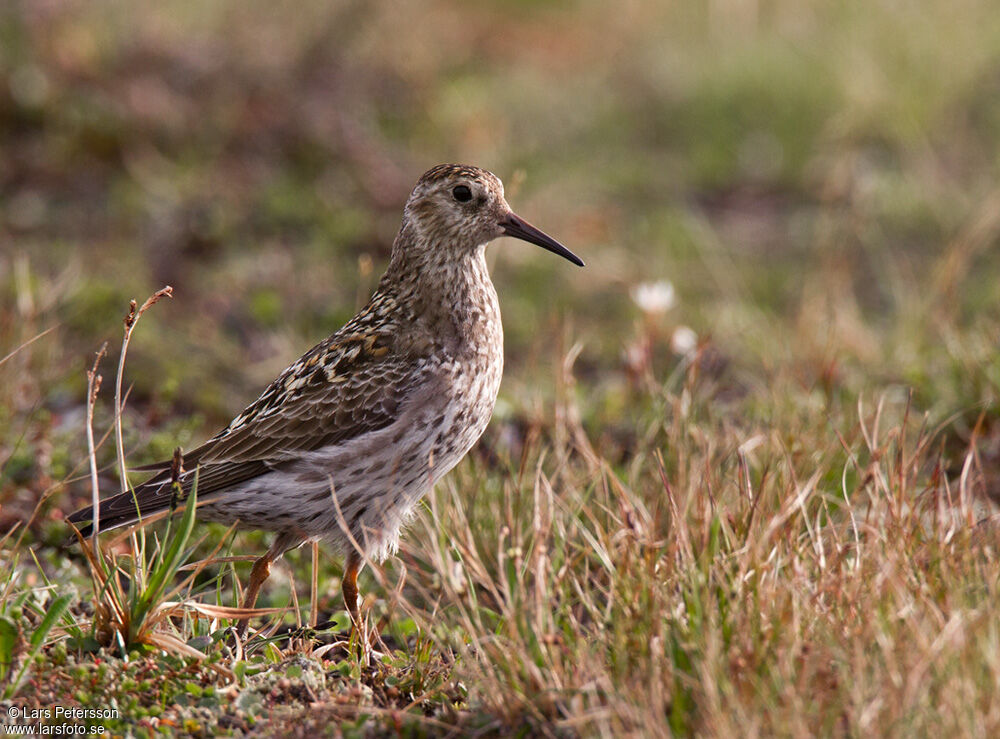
[[339, 391], [353, 383], [349, 385]]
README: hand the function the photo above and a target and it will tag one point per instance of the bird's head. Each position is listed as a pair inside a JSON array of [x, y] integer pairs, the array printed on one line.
[[461, 208]]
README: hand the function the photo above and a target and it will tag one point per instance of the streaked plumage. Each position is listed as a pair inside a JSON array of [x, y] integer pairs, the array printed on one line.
[[356, 431]]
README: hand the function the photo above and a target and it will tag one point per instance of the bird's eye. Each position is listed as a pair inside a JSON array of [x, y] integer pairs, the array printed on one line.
[[462, 194]]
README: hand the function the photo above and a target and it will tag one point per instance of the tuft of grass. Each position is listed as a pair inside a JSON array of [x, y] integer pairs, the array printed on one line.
[[133, 594]]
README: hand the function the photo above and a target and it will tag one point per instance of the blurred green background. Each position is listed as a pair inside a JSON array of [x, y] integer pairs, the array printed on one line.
[[818, 181]]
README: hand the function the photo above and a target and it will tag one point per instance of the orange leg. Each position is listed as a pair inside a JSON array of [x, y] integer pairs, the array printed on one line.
[[352, 566], [349, 587], [260, 572]]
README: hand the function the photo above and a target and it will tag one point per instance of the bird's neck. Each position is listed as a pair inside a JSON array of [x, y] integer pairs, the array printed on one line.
[[448, 290], [450, 272]]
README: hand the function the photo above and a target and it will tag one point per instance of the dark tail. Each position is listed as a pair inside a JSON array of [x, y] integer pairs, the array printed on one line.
[[152, 497]]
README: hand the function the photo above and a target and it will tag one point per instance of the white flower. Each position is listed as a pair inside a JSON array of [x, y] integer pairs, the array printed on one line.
[[654, 297], [684, 340]]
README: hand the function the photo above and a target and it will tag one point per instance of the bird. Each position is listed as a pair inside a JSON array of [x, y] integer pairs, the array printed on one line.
[[342, 445]]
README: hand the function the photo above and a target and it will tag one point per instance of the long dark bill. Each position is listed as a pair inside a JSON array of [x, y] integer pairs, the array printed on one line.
[[520, 229]]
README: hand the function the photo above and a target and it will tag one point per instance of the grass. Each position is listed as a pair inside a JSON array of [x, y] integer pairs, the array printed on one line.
[[784, 528]]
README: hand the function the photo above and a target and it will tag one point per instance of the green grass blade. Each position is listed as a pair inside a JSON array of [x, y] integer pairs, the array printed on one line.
[[8, 641], [168, 565], [55, 612]]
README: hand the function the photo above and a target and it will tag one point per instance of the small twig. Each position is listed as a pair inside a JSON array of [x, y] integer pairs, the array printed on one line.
[[131, 318], [27, 343], [93, 387], [314, 590]]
